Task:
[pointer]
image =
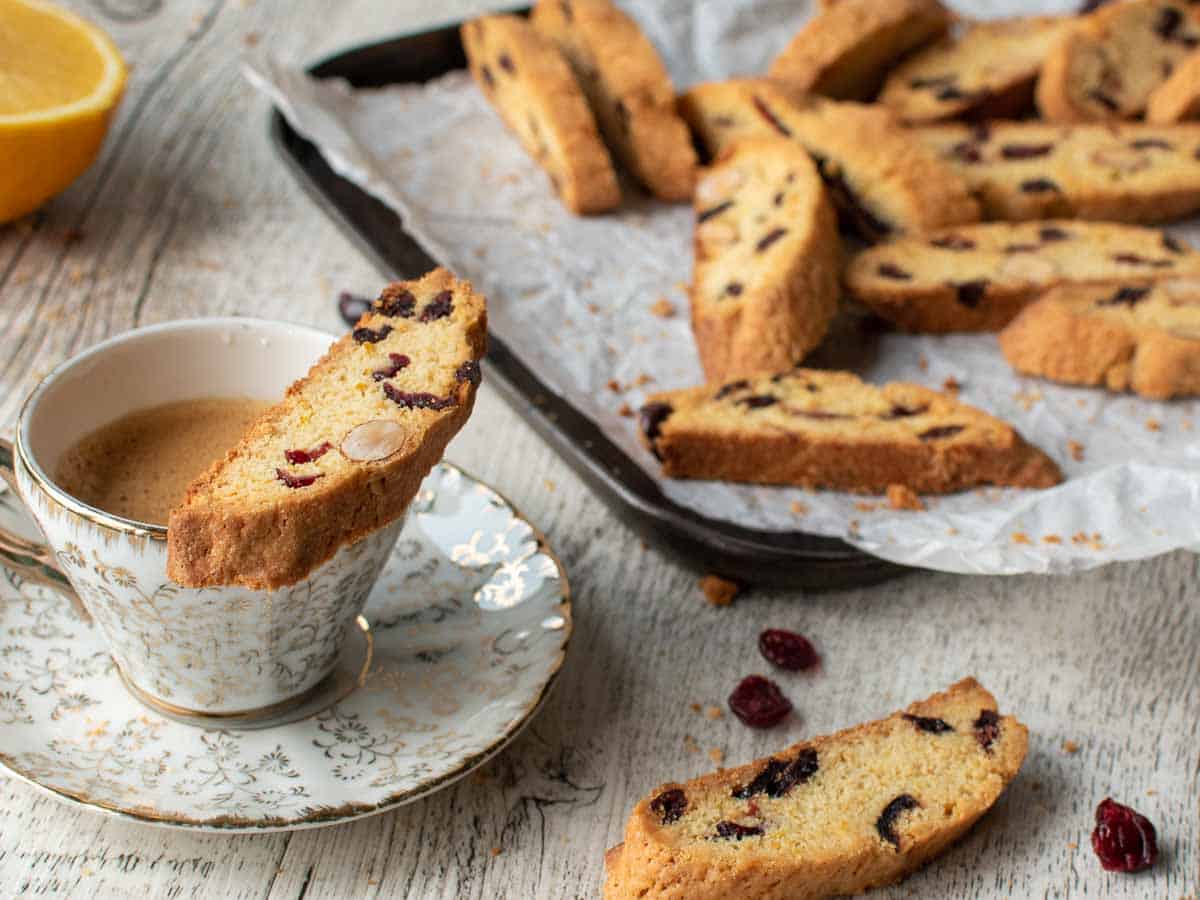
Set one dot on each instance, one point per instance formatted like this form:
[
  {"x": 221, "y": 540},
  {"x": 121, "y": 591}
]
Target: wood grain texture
[{"x": 189, "y": 213}]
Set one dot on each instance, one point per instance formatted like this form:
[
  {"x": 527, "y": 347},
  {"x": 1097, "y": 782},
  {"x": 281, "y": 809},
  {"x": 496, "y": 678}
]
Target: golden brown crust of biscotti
[
  {"x": 830, "y": 430},
  {"x": 241, "y": 523},
  {"x": 846, "y": 49},
  {"x": 1116, "y": 172},
  {"x": 988, "y": 72},
  {"x": 629, "y": 90},
  {"x": 881, "y": 178},
  {"x": 952, "y": 755},
  {"x": 1108, "y": 65},
  {"x": 533, "y": 88},
  {"x": 767, "y": 261},
  {"x": 1139, "y": 336},
  {"x": 978, "y": 277},
  {"x": 1178, "y": 98}
]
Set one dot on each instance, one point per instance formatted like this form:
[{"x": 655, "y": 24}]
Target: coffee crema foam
[{"x": 139, "y": 466}]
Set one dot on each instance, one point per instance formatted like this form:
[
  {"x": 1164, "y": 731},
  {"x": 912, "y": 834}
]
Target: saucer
[{"x": 469, "y": 625}]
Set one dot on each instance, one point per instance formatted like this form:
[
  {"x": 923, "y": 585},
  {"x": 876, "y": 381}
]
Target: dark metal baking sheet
[{"x": 748, "y": 555}]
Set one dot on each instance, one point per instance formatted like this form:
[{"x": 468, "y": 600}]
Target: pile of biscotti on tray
[{"x": 950, "y": 175}]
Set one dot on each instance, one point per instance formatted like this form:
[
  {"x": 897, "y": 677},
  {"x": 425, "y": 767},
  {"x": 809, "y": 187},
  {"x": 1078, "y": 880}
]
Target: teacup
[{"x": 217, "y": 657}]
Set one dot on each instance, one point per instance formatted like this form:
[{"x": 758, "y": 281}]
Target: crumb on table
[
  {"x": 1153, "y": 425},
  {"x": 1076, "y": 450},
  {"x": 716, "y": 755},
  {"x": 799, "y": 509},
  {"x": 952, "y": 385},
  {"x": 625, "y": 411},
  {"x": 663, "y": 308},
  {"x": 1020, "y": 537},
  {"x": 713, "y": 712},
  {"x": 901, "y": 496},
  {"x": 717, "y": 590},
  {"x": 1070, "y": 747}
]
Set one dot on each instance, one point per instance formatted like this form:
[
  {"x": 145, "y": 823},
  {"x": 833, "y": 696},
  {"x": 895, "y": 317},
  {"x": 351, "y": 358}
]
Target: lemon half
[{"x": 60, "y": 80}]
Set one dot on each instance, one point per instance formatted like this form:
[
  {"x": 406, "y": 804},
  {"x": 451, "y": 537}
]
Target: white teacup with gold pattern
[{"x": 219, "y": 657}]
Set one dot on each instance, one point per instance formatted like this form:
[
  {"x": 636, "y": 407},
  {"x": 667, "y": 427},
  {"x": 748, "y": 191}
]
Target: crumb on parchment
[
  {"x": 1076, "y": 450},
  {"x": 901, "y": 496}
]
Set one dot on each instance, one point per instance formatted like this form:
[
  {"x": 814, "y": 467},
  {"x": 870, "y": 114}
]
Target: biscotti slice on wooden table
[
  {"x": 1178, "y": 98},
  {"x": 629, "y": 90},
  {"x": 533, "y": 88},
  {"x": 1118, "y": 172},
  {"x": 882, "y": 180},
  {"x": 847, "y": 48},
  {"x": 819, "y": 429},
  {"x": 1108, "y": 65},
  {"x": 978, "y": 277},
  {"x": 987, "y": 72},
  {"x": 1139, "y": 336},
  {"x": 828, "y": 817},
  {"x": 346, "y": 449},
  {"x": 767, "y": 263}
]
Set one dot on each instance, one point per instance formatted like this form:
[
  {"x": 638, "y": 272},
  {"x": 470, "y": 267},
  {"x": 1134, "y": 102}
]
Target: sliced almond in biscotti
[
  {"x": 629, "y": 90},
  {"x": 345, "y": 451},
  {"x": 768, "y": 259},
  {"x": 829, "y": 817},
  {"x": 1140, "y": 336},
  {"x": 1116, "y": 172},
  {"x": 820, "y": 429},
  {"x": 846, "y": 49},
  {"x": 978, "y": 277},
  {"x": 1108, "y": 65},
  {"x": 987, "y": 72},
  {"x": 882, "y": 180},
  {"x": 533, "y": 88}
]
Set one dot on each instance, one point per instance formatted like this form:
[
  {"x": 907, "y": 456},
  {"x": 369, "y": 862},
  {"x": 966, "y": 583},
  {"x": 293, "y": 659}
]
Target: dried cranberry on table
[
  {"x": 1124, "y": 839},
  {"x": 759, "y": 703},
  {"x": 787, "y": 649}
]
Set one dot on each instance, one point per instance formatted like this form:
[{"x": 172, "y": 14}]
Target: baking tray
[{"x": 751, "y": 556}]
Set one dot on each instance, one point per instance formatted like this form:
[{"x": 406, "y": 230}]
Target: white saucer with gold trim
[{"x": 469, "y": 623}]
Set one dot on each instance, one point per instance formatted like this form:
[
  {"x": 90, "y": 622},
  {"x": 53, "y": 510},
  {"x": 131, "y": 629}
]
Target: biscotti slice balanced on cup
[
  {"x": 1116, "y": 172},
  {"x": 846, "y": 49},
  {"x": 987, "y": 72},
  {"x": 533, "y": 88},
  {"x": 629, "y": 90},
  {"x": 882, "y": 180},
  {"x": 828, "y": 817},
  {"x": 767, "y": 260},
  {"x": 819, "y": 429},
  {"x": 1109, "y": 64},
  {"x": 1139, "y": 336},
  {"x": 345, "y": 451},
  {"x": 978, "y": 277}
]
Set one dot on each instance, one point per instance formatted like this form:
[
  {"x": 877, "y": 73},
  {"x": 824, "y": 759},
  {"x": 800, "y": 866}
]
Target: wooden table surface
[{"x": 189, "y": 213}]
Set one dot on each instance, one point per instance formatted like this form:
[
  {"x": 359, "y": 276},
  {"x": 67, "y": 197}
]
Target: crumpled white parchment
[{"x": 572, "y": 297}]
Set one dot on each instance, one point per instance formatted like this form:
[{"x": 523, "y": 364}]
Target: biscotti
[
  {"x": 1127, "y": 172},
  {"x": 1139, "y": 336},
  {"x": 628, "y": 88},
  {"x": 820, "y": 429},
  {"x": 828, "y": 817},
  {"x": 987, "y": 72},
  {"x": 1108, "y": 65},
  {"x": 847, "y": 48},
  {"x": 1178, "y": 98},
  {"x": 882, "y": 180},
  {"x": 345, "y": 451},
  {"x": 533, "y": 88},
  {"x": 978, "y": 277},
  {"x": 767, "y": 261}
]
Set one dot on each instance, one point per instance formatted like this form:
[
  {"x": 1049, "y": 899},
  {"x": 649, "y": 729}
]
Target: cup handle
[{"x": 33, "y": 561}]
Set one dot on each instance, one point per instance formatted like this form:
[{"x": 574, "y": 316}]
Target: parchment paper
[{"x": 573, "y": 296}]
